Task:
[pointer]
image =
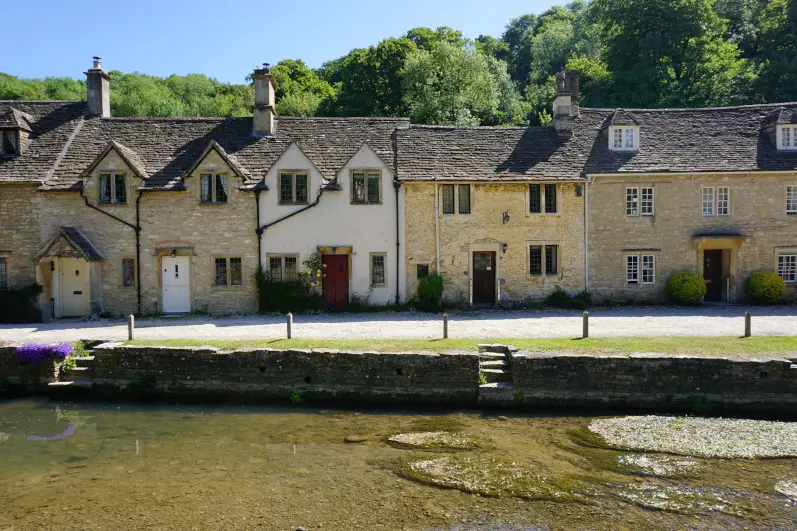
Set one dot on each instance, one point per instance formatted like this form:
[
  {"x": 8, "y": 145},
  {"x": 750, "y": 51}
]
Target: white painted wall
[{"x": 336, "y": 222}]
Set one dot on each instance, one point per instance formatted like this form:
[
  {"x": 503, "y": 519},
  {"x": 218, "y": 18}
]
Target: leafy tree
[
  {"x": 492, "y": 47},
  {"x": 299, "y": 90},
  {"x": 778, "y": 52},
  {"x": 427, "y": 39}
]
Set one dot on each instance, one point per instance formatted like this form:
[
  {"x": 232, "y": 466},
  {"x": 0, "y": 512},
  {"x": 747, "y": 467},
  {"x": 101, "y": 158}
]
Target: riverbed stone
[
  {"x": 658, "y": 465},
  {"x": 355, "y": 439},
  {"x": 787, "y": 487},
  {"x": 676, "y": 498},
  {"x": 439, "y": 440}
]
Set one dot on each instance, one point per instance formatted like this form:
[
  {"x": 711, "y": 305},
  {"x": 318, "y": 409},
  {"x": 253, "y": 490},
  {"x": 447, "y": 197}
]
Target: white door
[
  {"x": 74, "y": 287},
  {"x": 176, "y": 285}
]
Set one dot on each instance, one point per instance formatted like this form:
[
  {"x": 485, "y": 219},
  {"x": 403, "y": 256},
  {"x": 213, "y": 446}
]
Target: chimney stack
[
  {"x": 98, "y": 85},
  {"x": 264, "y": 110},
  {"x": 565, "y": 105}
]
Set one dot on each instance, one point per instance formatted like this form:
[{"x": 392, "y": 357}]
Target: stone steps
[
  {"x": 78, "y": 373},
  {"x": 495, "y": 367},
  {"x": 494, "y": 364},
  {"x": 497, "y": 375},
  {"x": 84, "y": 361}
]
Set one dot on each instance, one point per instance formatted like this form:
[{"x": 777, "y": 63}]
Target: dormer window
[
  {"x": 112, "y": 189},
  {"x": 10, "y": 142},
  {"x": 787, "y": 137},
  {"x": 624, "y": 138}
]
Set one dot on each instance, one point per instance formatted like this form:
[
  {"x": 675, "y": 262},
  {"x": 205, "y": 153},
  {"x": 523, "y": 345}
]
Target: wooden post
[
  {"x": 131, "y": 327},
  {"x": 445, "y": 326},
  {"x": 585, "y": 325},
  {"x": 290, "y": 324},
  {"x": 748, "y": 329}
]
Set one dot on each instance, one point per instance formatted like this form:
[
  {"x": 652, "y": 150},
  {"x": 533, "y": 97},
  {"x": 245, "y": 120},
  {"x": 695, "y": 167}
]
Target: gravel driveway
[{"x": 637, "y": 321}]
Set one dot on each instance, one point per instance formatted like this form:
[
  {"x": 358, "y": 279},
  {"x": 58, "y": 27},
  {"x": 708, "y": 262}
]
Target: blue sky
[{"x": 224, "y": 38}]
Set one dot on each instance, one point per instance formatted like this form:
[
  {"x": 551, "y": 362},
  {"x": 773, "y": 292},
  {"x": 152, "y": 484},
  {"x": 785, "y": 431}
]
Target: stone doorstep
[
  {"x": 73, "y": 383},
  {"x": 493, "y": 364}
]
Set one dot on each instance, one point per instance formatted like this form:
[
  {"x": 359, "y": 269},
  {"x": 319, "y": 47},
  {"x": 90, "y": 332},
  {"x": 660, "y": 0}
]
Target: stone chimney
[
  {"x": 565, "y": 106},
  {"x": 264, "y": 110},
  {"x": 98, "y": 85}
]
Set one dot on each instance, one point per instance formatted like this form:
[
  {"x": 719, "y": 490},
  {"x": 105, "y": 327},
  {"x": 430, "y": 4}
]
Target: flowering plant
[{"x": 35, "y": 353}]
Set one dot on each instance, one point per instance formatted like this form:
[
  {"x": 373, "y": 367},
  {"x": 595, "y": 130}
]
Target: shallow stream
[{"x": 133, "y": 466}]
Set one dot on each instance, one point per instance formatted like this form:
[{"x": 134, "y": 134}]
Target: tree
[
  {"x": 299, "y": 90},
  {"x": 492, "y": 47},
  {"x": 516, "y": 38},
  {"x": 778, "y": 52},
  {"x": 427, "y": 39}
]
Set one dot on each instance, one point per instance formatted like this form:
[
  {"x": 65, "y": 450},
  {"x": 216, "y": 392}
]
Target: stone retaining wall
[{"x": 16, "y": 378}]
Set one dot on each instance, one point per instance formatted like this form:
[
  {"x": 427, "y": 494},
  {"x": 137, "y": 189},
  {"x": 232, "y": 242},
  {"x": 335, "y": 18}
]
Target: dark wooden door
[
  {"x": 712, "y": 274},
  {"x": 336, "y": 280},
  {"x": 484, "y": 277}
]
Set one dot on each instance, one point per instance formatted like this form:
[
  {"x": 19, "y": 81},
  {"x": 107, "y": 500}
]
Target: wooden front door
[
  {"x": 336, "y": 279},
  {"x": 74, "y": 287},
  {"x": 176, "y": 284},
  {"x": 712, "y": 274},
  {"x": 484, "y": 277}
]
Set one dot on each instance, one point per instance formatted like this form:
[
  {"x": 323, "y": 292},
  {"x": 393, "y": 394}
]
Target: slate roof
[
  {"x": 11, "y": 117},
  {"x": 168, "y": 148},
  {"x": 77, "y": 240},
  {"x": 51, "y": 124}
]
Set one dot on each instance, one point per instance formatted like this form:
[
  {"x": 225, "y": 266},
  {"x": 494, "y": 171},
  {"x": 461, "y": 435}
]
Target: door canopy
[{"x": 70, "y": 242}]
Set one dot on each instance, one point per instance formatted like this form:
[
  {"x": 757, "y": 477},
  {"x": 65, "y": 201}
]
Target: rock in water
[{"x": 354, "y": 439}]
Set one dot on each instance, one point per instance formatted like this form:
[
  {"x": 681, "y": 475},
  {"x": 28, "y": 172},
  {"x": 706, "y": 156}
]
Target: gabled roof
[
  {"x": 130, "y": 157},
  {"x": 77, "y": 240},
  {"x": 51, "y": 125},
  {"x": 11, "y": 117},
  {"x": 623, "y": 117},
  {"x": 786, "y": 116},
  {"x": 231, "y": 161}
]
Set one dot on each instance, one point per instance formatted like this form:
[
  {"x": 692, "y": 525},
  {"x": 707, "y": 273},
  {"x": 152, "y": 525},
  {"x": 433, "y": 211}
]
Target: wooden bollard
[
  {"x": 131, "y": 327},
  {"x": 445, "y": 326},
  {"x": 290, "y": 324},
  {"x": 748, "y": 329},
  {"x": 585, "y": 325}
]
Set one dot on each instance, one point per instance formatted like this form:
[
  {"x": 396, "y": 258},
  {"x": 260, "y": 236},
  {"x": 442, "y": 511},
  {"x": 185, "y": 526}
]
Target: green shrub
[
  {"x": 686, "y": 288},
  {"x": 19, "y": 305},
  {"x": 558, "y": 299},
  {"x": 430, "y": 292},
  {"x": 764, "y": 287},
  {"x": 581, "y": 300},
  {"x": 295, "y": 296}
]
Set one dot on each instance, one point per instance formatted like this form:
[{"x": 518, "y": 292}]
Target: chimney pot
[
  {"x": 98, "y": 89},
  {"x": 97, "y": 63}
]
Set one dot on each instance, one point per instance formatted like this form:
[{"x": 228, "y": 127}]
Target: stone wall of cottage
[
  {"x": 484, "y": 229},
  {"x": 758, "y": 211},
  {"x": 20, "y": 205}
]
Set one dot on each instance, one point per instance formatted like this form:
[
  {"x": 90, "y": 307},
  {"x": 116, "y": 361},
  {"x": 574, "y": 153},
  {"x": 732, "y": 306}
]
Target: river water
[{"x": 133, "y": 466}]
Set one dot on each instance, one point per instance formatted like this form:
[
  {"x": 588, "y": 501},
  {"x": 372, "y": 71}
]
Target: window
[
  {"x": 647, "y": 201},
  {"x": 632, "y": 269},
  {"x": 648, "y": 269},
  {"x": 377, "y": 270},
  {"x": 535, "y": 259},
  {"x": 10, "y": 142},
  {"x": 3, "y": 275},
  {"x": 283, "y": 268},
  {"x": 421, "y": 271},
  {"x": 543, "y": 258},
  {"x": 787, "y": 267},
  {"x": 632, "y": 201},
  {"x": 228, "y": 271},
  {"x": 456, "y": 196},
  {"x": 365, "y": 187},
  {"x": 624, "y": 138},
  {"x": 791, "y": 200},
  {"x": 112, "y": 188},
  {"x": 128, "y": 272},
  {"x": 551, "y": 259},
  {"x": 293, "y": 188},
  {"x": 788, "y": 137},
  {"x": 708, "y": 201},
  {"x": 723, "y": 201},
  {"x": 213, "y": 188},
  {"x": 542, "y": 195}
]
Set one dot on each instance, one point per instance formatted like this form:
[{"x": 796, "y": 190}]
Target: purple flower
[{"x": 35, "y": 353}]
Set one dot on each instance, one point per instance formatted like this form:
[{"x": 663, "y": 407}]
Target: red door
[{"x": 336, "y": 279}]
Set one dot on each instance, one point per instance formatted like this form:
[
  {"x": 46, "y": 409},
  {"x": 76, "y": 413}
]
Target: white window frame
[
  {"x": 624, "y": 144},
  {"x": 651, "y": 268},
  {"x": 704, "y": 201},
  {"x": 791, "y": 200},
  {"x": 791, "y": 142},
  {"x": 646, "y": 206},
  {"x": 632, "y": 273},
  {"x": 782, "y": 259},
  {"x": 644, "y": 264},
  {"x": 632, "y": 201},
  {"x": 726, "y": 202}
]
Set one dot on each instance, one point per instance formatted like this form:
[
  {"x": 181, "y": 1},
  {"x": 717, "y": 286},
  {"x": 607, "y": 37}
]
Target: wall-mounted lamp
[
  {"x": 173, "y": 253},
  {"x": 506, "y": 218},
  {"x": 505, "y": 248}
]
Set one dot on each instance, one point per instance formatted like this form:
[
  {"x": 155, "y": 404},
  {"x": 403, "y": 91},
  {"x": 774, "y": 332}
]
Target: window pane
[
  {"x": 358, "y": 187},
  {"x": 787, "y": 267},
  {"x": 535, "y": 195},
  {"x": 786, "y": 134},
  {"x": 708, "y": 201},
  {"x": 286, "y": 188},
  {"x": 631, "y": 201},
  {"x": 632, "y": 269},
  {"x": 617, "y": 139},
  {"x": 535, "y": 260},
  {"x": 221, "y": 188},
  {"x": 550, "y": 198},
  {"x": 301, "y": 188},
  {"x": 9, "y": 142},
  {"x": 206, "y": 195},
  {"x": 377, "y": 269},
  {"x": 105, "y": 188},
  {"x": 791, "y": 200},
  {"x": 3, "y": 274},
  {"x": 120, "y": 192},
  {"x": 448, "y": 199},
  {"x": 723, "y": 201},
  {"x": 128, "y": 272},
  {"x": 275, "y": 267},
  {"x": 220, "y": 275},
  {"x": 373, "y": 187},
  {"x": 291, "y": 271},
  {"x": 629, "y": 138},
  {"x": 647, "y": 201},
  {"x": 422, "y": 271},
  {"x": 551, "y": 259},
  {"x": 464, "y": 199},
  {"x": 648, "y": 269}
]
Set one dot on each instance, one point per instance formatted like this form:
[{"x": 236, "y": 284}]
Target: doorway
[
  {"x": 74, "y": 287},
  {"x": 484, "y": 277},
  {"x": 336, "y": 280},
  {"x": 176, "y": 284},
  {"x": 712, "y": 274}
]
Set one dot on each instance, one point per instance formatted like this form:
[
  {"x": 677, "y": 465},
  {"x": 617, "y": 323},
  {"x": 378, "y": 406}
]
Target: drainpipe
[
  {"x": 283, "y": 218},
  {"x": 586, "y": 235},
  {"x": 137, "y": 228},
  {"x": 396, "y": 186},
  {"x": 258, "y": 230},
  {"x": 436, "y": 230}
]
